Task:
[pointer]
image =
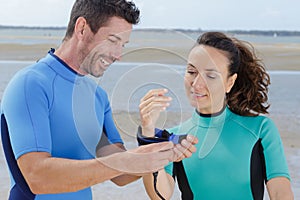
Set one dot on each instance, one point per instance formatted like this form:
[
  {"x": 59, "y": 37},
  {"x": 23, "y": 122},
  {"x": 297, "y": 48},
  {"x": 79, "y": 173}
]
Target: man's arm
[
  {"x": 111, "y": 149},
  {"x": 45, "y": 174}
]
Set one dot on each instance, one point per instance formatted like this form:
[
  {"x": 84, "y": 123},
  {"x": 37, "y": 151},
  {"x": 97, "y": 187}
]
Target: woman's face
[{"x": 207, "y": 79}]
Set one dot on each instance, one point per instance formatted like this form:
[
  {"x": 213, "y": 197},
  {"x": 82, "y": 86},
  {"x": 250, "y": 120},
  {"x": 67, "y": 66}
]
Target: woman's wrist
[{"x": 148, "y": 131}]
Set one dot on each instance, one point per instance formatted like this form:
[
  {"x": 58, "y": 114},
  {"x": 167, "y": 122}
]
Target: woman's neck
[{"x": 213, "y": 114}]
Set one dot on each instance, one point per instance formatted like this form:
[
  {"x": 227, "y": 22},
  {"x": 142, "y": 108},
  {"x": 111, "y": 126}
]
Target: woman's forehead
[{"x": 202, "y": 56}]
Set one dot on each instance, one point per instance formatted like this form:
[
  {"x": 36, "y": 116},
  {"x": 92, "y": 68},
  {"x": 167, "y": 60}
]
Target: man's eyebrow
[{"x": 118, "y": 38}]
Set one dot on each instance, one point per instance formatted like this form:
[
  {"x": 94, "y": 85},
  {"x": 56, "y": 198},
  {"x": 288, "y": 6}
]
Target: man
[{"x": 54, "y": 116}]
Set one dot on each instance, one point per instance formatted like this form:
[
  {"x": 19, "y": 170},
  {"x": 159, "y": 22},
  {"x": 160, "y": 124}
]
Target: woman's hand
[
  {"x": 151, "y": 105},
  {"x": 185, "y": 149}
]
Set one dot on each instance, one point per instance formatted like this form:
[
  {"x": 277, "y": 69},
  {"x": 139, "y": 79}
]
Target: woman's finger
[{"x": 154, "y": 92}]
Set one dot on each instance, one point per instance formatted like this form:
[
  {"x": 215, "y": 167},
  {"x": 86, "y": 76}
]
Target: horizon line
[{"x": 155, "y": 28}]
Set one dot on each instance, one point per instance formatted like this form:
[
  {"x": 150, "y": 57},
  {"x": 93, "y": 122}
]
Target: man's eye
[{"x": 112, "y": 41}]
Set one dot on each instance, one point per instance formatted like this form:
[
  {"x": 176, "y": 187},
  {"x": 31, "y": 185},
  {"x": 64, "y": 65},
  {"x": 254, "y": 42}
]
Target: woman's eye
[
  {"x": 211, "y": 76},
  {"x": 191, "y": 72}
]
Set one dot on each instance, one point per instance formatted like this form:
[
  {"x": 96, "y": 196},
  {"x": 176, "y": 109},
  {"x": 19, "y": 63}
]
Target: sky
[{"x": 187, "y": 14}]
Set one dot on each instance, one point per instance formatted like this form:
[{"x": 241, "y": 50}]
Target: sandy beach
[{"x": 282, "y": 61}]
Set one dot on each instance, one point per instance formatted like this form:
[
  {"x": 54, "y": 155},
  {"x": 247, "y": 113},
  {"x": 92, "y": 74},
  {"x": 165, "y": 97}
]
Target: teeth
[
  {"x": 199, "y": 95},
  {"x": 104, "y": 62}
]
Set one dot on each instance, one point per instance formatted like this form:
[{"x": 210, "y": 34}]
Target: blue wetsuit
[
  {"x": 235, "y": 155},
  {"x": 48, "y": 107}
]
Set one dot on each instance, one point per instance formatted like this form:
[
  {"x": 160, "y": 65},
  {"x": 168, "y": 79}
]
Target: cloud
[
  {"x": 35, "y": 13},
  {"x": 212, "y": 14},
  {"x": 271, "y": 13}
]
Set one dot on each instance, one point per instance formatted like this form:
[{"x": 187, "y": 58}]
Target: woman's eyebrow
[
  {"x": 212, "y": 70},
  {"x": 206, "y": 69},
  {"x": 191, "y": 65}
]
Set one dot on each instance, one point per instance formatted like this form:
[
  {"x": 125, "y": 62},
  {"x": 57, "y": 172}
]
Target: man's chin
[{"x": 97, "y": 75}]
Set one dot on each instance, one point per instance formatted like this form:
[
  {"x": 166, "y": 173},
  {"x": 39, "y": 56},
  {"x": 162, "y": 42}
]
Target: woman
[{"x": 238, "y": 150}]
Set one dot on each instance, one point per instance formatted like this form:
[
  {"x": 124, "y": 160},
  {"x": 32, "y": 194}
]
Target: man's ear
[
  {"x": 80, "y": 27},
  {"x": 230, "y": 83}
]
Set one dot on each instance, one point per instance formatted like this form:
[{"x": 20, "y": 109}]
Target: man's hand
[{"x": 142, "y": 160}]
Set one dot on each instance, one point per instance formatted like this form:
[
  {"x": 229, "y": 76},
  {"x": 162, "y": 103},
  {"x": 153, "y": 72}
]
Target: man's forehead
[
  {"x": 116, "y": 31},
  {"x": 118, "y": 25}
]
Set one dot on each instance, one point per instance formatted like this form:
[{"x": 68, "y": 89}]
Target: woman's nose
[{"x": 199, "y": 81}]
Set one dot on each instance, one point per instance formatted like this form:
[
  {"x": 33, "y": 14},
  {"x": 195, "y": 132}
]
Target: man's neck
[{"x": 67, "y": 52}]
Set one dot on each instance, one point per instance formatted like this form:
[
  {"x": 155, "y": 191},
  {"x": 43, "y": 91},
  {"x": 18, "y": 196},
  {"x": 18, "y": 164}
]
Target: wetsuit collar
[
  {"x": 211, "y": 115},
  {"x": 61, "y": 68},
  {"x": 211, "y": 120}
]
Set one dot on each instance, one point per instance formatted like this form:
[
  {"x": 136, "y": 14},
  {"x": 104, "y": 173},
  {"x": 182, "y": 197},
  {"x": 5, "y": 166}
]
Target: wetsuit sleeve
[
  {"x": 275, "y": 160},
  {"x": 109, "y": 127},
  {"x": 26, "y": 110},
  {"x": 169, "y": 168}
]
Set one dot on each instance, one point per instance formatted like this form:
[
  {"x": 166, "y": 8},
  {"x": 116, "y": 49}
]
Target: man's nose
[{"x": 117, "y": 54}]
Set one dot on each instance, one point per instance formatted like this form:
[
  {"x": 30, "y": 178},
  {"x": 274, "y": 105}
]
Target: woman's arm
[
  {"x": 151, "y": 105},
  {"x": 279, "y": 188},
  {"x": 164, "y": 185}
]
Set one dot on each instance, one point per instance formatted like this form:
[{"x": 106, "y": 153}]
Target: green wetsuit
[{"x": 235, "y": 155}]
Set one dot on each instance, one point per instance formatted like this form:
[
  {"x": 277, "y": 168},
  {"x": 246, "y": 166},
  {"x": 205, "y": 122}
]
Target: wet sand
[{"x": 284, "y": 99}]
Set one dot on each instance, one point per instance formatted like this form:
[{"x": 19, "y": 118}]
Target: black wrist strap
[
  {"x": 155, "y": 174},
  {"x": 160, "y": 136}
]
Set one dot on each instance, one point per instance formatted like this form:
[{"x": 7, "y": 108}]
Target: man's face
[{"x": 105, "y": 47}]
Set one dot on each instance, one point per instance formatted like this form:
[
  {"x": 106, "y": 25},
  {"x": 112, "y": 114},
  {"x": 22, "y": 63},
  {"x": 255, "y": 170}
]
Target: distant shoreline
[
  {"x": 122, "y": 64},
  {"x": 274, "y": 33},
  {"x": 33, "y": 27}
]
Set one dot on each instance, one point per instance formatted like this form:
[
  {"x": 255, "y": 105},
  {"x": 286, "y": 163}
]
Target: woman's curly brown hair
[{"x": 248, "y": 96}]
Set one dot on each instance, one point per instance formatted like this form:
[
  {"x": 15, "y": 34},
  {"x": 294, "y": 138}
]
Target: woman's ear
[{"x": 230, "y": 82}]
